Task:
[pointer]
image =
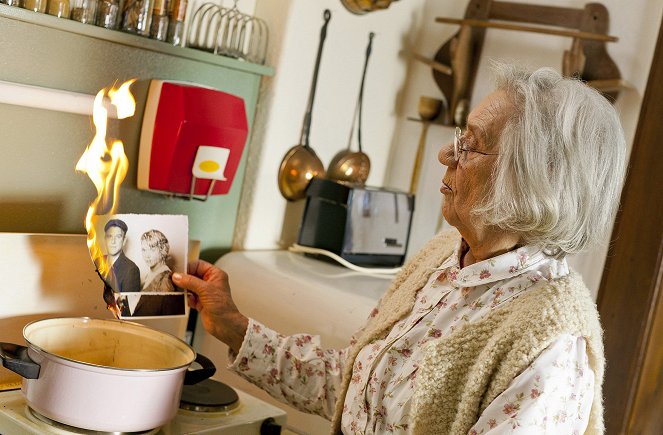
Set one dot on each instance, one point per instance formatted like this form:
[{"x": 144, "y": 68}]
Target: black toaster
[{"x": 366, "y": 226}]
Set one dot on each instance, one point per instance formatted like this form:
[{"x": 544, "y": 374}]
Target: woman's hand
[{"x": 209, "y": 294}]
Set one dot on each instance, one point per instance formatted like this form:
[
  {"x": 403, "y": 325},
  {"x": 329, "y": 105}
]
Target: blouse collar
[{"x": 529, "y": 260}]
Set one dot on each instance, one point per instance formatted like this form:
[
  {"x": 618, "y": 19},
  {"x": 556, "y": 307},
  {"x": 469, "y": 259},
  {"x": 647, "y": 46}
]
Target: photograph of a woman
[{"x": 155, "y": 251}]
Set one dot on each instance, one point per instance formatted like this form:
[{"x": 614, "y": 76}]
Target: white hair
[{"x": 561, "y": 164}]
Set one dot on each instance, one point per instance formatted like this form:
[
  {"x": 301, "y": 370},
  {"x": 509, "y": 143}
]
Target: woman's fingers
[
  {"x": 200, "y": 268},
  {"x": 189, "y": 282},
  {"x": 194, "y": 301},
  {"x": 209, "y": 293}
]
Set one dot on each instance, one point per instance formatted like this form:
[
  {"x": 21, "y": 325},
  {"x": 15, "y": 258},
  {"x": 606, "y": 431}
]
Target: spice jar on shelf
[
  {"x": 136, "y": 16},
  {"x": 177, "y": 11},
  {"x": 109, "y": 14},
  {"x": 159, "y": 26},
  {"x": 58, "y": 8},
  {"x": 84, "y": 11},
  {"x": 34, "y": 5}
]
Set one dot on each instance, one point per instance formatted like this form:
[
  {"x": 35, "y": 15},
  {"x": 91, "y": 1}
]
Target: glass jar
[
  {"x": 159, "y": 26},
  {"x": 35, "y": 5},
  {"x": 109, "y": 12},
  {"x": 58, "y": 8},
  {"x": 176, "y": 25},
  {"x": 84, "y": 11},
  {"x": 136, "y": 16}
]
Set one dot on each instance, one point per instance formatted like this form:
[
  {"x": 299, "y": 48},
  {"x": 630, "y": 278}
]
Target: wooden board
[{"x": 629, "y": 298}]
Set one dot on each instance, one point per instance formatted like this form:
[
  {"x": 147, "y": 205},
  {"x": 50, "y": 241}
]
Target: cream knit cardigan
[{"x": 461, "y": 374}]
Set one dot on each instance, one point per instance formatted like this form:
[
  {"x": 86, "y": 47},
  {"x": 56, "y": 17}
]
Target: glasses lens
[{"x": 457, "y": 136}]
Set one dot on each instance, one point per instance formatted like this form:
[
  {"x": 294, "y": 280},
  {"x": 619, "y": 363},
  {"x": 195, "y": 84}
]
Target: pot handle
[
  {"x": 16, "y": 359},
  {"x": 194, "y": 376}
]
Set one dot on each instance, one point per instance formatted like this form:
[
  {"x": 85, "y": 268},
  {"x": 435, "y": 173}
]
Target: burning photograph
[
  {"x": 142, "y": 252},
  {"x": 133, "y": 254}
]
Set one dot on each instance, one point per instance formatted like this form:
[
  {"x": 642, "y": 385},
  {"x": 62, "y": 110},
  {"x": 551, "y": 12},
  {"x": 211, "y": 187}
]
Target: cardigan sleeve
[{"x": 552, "y": 396}]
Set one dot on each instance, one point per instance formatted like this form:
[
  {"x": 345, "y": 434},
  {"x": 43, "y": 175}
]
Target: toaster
[{"x": 366, "y": 226}]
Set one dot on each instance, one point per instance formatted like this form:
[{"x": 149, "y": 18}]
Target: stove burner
[
  {"x": 209, "y": 396},
  {"x": 77, "y": 430}
]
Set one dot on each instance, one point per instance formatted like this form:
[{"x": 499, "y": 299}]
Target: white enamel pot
[{"x": 103, "y": 375}]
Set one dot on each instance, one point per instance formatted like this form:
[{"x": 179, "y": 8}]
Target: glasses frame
[{"x": 458, "y": 149}]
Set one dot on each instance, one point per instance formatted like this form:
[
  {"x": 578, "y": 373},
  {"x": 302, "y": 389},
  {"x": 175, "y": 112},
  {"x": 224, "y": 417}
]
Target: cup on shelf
[
  {"x": 108, "y": 15},
  {"x": 429, "y": 108},
  {"x": 137, "y": 16},
  {"x": 34, "y": 5},
  {"x": 59, "y": 8},
  {"x": 159, "y": 25},
  {"x": 84, "y": 11},
  {"x": 177, "y": 12}
]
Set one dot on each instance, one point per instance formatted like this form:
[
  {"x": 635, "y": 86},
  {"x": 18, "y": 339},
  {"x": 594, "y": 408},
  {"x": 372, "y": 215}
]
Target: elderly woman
[{"x": 485, "y": 330}]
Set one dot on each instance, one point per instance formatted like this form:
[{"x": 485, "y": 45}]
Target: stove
[
  {"x": 212, "y": 408},
  {"x": 49, "y": 271}
]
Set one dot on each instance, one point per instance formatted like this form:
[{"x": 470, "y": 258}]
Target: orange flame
[{"x": 105, "y": 166}]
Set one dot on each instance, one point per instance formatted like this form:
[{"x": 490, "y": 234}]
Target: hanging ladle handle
[
  {"x": 306, "y": 127},
  {"x": 361, "y": 86}
]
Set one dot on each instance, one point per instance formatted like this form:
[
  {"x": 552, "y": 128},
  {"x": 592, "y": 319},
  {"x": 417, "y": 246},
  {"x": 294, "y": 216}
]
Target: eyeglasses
[{"x": 458, "y": 148}]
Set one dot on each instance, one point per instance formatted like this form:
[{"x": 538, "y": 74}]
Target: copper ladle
[
  {"x": 300, "y": 164},
  {"x": 347, "y": 165},
  {"x": 429, "y": 108}
]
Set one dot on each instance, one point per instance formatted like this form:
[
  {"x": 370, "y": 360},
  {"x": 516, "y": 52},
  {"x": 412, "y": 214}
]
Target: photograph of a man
[{"x": 124, "y": 275}]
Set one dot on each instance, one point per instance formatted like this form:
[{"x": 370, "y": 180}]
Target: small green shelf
[{"x": 130, "y": 40}]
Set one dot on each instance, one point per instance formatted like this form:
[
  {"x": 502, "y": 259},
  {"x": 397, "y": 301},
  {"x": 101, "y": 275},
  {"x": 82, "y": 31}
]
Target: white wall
[
  {"x": 393, "y": 87},
  {"x": 295, "y": 27}
]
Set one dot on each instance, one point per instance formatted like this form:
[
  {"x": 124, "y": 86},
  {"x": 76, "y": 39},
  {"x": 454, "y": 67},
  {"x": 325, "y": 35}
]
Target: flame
[
  {"x": 106, "y": 167},
  {"x": 123, "y": 100}
]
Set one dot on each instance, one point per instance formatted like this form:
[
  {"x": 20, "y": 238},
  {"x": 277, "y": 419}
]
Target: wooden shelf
[
  {"x": 129, "y": 39},
  {"x": 533, "y": 29},
  {"x": 611, "y": 85},
  {"x": 435, "y": 122}
]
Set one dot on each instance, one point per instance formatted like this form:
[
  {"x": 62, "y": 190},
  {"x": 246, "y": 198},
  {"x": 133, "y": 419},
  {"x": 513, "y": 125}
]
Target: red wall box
[{"x": 179, "y": 118}]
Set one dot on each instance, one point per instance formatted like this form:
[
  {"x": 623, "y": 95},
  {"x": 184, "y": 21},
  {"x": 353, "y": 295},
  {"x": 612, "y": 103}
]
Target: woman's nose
[{"x": 446, "y": 155}]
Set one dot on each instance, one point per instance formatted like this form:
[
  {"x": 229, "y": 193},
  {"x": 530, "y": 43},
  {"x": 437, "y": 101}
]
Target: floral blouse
[{"x": 553, "y": 395}]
